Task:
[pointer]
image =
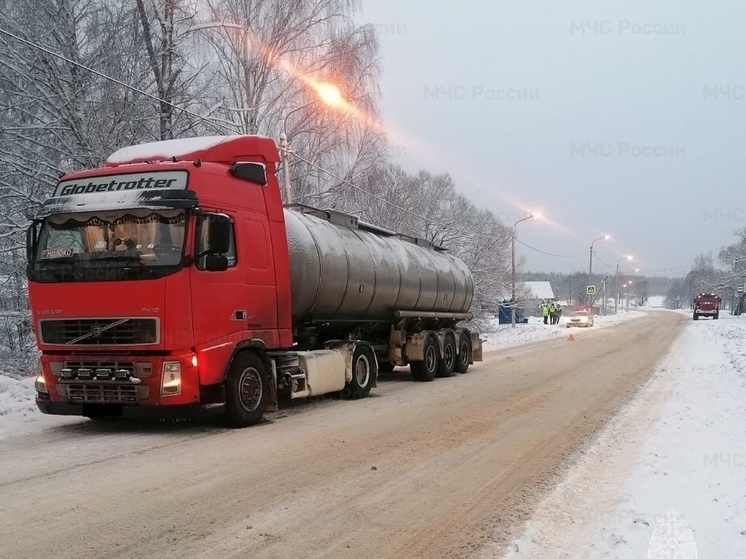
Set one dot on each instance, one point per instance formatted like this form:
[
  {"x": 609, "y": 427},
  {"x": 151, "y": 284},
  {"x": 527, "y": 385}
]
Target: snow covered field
[{"x": 667, "y": 479}]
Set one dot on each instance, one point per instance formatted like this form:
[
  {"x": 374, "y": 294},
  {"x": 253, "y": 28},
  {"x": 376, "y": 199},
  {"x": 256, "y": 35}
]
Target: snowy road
[{"x": 439, "y": 469}]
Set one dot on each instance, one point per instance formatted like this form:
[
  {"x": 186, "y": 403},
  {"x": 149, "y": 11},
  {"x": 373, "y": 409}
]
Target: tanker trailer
[
  {"x": 173, "y": 281},
  {"x": 403, "y": 295}
]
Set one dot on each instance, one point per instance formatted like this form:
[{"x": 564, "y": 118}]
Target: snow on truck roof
[{"x": 221, "y": 149}]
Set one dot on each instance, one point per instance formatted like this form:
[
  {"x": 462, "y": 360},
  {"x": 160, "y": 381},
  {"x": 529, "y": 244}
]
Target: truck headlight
[
  {"x": 40, "y": 384},
  {"x": 171, "y": 378}
]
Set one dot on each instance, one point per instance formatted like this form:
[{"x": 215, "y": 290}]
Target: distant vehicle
[
  {"x": 583, "y": 318},
  {"x": 707, "y": 304}
]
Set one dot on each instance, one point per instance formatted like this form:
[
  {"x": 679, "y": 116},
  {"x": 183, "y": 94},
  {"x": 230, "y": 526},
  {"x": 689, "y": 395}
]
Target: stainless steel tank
[{"x": 347, "y": 273}]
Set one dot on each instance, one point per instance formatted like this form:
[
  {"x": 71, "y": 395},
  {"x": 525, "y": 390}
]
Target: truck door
[{"x": 237, "y": 303}]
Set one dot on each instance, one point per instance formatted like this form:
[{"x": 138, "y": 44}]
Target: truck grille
[
  {"x": 100, "y": 393},
  {"x": 91, "y": 381},
  {"x": 100, "y": 331}
]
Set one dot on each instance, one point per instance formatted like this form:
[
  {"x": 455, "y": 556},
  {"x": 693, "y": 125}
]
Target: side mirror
[
  {"x": 30, "y": 242},
  {"x": 216, "y": 262},
  {"x": 219, "y": 233}
]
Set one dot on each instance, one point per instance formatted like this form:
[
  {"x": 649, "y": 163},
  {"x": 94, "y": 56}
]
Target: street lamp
[
  {"x": 327, "y": 93},
  {"x": 512, "y": 257},
  {"x": 616, "y": 299},
  {"x": 590, "y": 262}
]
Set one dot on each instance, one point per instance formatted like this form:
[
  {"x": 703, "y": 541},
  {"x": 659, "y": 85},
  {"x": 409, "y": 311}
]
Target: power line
[
  {"x": 348, "y": 183},
  {"x": 219, "y": 122},
  {"x": 550, "y": 253}
]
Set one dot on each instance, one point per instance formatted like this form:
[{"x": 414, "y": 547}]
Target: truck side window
[{"x": 203, "y": 227}]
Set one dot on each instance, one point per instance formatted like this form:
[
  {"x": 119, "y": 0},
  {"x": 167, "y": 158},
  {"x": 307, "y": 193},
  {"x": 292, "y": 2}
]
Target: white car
[{"x": 580, "y": 318}]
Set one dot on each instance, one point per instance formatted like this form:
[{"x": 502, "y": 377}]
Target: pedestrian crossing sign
[{"x": 590, "y": 290}]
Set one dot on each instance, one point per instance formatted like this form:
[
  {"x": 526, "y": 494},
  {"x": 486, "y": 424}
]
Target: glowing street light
[
  {"x": 590, "y": 263},
  {"x": 330, "y": 95}
]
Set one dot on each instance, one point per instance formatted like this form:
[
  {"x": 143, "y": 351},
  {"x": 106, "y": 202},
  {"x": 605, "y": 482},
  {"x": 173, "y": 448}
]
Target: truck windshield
[{"x": 131, "y": 244}]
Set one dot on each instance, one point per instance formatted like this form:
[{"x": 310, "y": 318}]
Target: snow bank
[
  {"x": 501, "y": 336},
  {"x": 18, "y": 412},
  {"x": 673, "y": 462}
]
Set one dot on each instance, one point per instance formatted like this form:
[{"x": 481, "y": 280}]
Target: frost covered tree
[{"x": 271, "y": 58}]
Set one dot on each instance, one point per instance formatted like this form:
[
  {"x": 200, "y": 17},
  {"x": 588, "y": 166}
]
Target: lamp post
[
  {"x": 512, "y": 257},
  {"x": 616, "y": 299},
  {"x": 590, "y": 262},
  {"x": 330, "y": 95}
]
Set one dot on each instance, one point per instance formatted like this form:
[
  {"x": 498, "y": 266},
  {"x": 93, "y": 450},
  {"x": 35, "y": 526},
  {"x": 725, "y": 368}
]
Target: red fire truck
[
  {"x": 173, "y": 282},
  {"x": 706, "y": 304}
]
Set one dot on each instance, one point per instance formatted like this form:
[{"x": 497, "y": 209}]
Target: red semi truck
[{"x": 172, "y": 282}]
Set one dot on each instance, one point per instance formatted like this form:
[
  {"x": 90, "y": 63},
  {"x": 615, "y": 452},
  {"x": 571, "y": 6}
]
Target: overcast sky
[{"x": 625, "y": 118}]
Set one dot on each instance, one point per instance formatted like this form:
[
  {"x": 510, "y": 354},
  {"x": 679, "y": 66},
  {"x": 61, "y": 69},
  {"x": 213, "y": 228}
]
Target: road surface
[{"x": 418, "y": 470}]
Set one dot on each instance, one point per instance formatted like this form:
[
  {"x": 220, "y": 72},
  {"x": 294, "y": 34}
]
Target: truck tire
[
  {"x": 696, "y": 316},
  {"x": 716, "y": 315},
  {"x": 447, "y": 363},
  {"x": 425, "y": 370},
  {"x": 363, "y": 372},
  {"x": 464, "y": 353},
  {"x": 246, "y": 390}
]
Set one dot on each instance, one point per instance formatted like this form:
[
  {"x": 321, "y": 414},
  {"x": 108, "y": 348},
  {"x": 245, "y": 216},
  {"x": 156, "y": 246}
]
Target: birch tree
[{"x": 271, "y": 54}]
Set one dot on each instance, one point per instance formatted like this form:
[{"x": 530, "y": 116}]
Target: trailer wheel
[
  {"x": 363, "y": 373},
  {"x": 246, "y": 390},
  {"x": 425, "y": 370},
  {"x": 464, "y": 353},
  {"x": 447, "y": 364}
]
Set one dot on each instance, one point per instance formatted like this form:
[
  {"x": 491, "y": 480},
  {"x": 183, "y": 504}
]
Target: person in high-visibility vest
[{"x": 545, "y": 312}]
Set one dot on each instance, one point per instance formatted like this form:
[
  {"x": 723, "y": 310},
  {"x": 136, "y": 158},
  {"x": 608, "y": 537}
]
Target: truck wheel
[
  {"x": 246, "y": 390},
  {"x": 464, "y": 353},
  {"x": 425, "y": 370},
  {"x": 696, "y": 316},
  {"x": 363, "y": 373},
  {"x": 716, "y": 316},
  {"x": 447, "y": 364}
]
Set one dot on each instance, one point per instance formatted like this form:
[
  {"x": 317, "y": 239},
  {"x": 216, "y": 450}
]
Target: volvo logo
[{"x": 96, "y": 331}]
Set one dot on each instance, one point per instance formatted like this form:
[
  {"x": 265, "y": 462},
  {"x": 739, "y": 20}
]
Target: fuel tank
[{"x": 342, "y": 269}]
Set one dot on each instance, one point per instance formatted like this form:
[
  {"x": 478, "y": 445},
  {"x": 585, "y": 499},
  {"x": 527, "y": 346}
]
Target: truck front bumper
[{"x": 182, "y": 411}]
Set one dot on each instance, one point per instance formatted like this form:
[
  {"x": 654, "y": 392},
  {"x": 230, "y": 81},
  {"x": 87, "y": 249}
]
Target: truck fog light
[
  {"x": 171, "y": 378},
  {"x": 40, "y": 384}
]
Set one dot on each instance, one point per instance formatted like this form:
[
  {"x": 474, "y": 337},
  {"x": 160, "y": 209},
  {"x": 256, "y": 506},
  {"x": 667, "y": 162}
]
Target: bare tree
[
  {"x": 272, "y": 56},
  {"x": 178, "y": 66}
]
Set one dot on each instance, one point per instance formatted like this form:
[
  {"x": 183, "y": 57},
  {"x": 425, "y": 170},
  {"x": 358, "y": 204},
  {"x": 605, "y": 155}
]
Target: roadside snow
[
  {"x": 18, "y": 411},
  {"x": 501, "y": 336},
  {"x": 673, "y": 462}
]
